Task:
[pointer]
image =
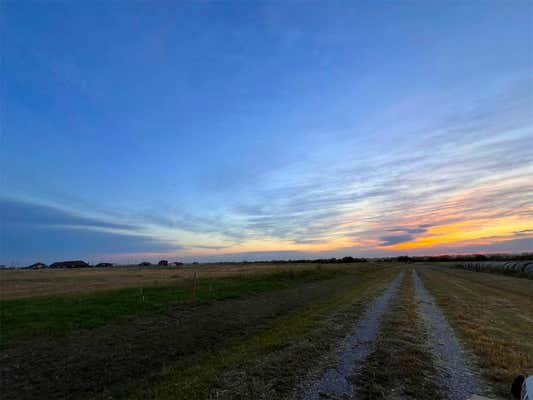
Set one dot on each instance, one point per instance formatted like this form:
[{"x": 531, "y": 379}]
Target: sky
[{"x": 207, "y": 131}]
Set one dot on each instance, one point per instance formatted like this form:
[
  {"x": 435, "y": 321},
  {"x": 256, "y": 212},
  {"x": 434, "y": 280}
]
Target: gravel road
[
  {"x": 335, "y": 382},
  {"x": 456, "y": 377}
]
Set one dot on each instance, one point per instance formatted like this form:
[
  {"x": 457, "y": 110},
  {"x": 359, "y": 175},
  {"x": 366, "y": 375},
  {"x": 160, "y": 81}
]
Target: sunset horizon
[
  {"x": 204, "y": 132},
  {"x": 292, "y": 200}
]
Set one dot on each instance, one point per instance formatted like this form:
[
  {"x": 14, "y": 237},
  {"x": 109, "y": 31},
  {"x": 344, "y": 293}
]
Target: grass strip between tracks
[{"x": 402, "y": 364}]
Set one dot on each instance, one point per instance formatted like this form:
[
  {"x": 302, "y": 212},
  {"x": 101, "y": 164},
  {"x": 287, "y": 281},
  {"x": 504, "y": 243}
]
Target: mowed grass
[
  {"x": 493, "y": 316},
  {"x": 23, "y": 319},
  {"x": 268, "y": 364}
]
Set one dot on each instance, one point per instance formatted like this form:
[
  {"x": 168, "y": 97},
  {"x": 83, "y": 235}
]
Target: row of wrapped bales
[{"x": 519, "y": 268}]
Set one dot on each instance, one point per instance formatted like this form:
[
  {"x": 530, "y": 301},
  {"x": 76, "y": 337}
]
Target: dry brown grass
[
  {"x": 493, "y": 316},
  {"x": 28, "y": 283}
]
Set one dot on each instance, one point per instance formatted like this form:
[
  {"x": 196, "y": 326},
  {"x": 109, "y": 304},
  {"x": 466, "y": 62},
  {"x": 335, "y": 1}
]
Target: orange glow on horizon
[{"x": 477, "y": 231}]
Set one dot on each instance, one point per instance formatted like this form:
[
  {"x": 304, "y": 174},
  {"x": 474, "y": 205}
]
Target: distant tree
[
  {"x": 348, "y": 259},
  {"x": 162, "y": 263},
  {"x": 104, "y": 265},
  {"x": 38, "y": 265}
]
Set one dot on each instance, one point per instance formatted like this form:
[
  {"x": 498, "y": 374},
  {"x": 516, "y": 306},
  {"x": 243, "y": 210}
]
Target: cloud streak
[
  {"x": 29, "y": 229},
  {"x": 464, "y": 184}
]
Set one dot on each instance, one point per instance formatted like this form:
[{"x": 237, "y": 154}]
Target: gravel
[
  {"x": 456, "y": 377},
  {"x": 335, "y": 383}
]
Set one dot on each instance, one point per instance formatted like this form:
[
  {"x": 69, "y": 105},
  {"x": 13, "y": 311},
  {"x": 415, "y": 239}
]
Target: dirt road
[
  {"x": 454, "y": 365},
  {"x": 378, "y": 334},
  {"x": 335, "y": 382},
  {"x": 402, "y": 348}
]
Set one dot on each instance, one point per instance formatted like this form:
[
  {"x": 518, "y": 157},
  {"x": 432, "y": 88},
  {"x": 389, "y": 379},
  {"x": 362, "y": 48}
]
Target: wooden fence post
[{"x": 194, "y": 287}]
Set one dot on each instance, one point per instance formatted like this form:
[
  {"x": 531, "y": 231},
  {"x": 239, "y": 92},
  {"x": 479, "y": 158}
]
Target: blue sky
[{"x": 234, "y": 130}]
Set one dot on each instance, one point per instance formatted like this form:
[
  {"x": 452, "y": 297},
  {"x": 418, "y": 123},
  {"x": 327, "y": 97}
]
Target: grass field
[
  {"x": 29, "y": 283},
  {"x": 280, "y": 353},
  {"x": 59, "y": 315},
  {"x": 493, "y": 315},
  {"x": 235, "y": 332}
]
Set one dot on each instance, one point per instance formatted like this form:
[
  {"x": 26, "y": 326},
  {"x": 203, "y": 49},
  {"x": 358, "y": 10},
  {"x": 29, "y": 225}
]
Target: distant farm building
[{"x": 70, "y": 264}]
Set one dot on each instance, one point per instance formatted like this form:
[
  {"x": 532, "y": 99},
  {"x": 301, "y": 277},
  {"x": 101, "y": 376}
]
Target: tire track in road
[
  {"x": 335, "y": 382},
  {"x": 456, "y": 377}
]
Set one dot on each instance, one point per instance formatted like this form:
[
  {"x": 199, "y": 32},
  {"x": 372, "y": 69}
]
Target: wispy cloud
[
  {"x": 27, "y": 229},
  {"x": 20, "y": 212},
  {"x": 463, "y": 184},
  {"x": 475, "y": 167},
  {"x": 396, "y": 239}
]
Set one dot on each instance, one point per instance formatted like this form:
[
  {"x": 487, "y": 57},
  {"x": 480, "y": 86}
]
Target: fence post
[{"x": 194, "y": 284}]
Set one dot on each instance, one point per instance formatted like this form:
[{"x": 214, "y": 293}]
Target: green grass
[
  {"x": 22, "y": 319},
  {"x": 193, "y": 378}
]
